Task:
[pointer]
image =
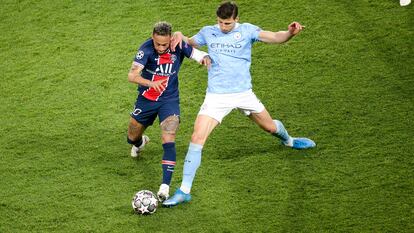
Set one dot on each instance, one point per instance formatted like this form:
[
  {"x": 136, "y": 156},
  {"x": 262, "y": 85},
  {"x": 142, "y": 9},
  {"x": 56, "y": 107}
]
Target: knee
[
  {"x": 169, "y": 127},
  {"x": 198, "y": 138},
  {"x": 170, "y": 124}
]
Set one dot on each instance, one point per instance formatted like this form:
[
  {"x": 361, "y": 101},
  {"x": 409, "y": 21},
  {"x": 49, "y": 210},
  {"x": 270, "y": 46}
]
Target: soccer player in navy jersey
[
  {"x": 229, "y": 86},
  {"x": 155, "y": 69}
]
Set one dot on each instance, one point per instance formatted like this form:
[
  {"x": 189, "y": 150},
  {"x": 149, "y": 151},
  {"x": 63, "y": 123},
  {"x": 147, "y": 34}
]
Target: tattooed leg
[
  {"x": 135, "y": 130},
  {"x": 169, "y": 127}
]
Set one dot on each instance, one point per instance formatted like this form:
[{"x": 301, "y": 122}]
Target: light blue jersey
[{"x": 231, "y": 57}]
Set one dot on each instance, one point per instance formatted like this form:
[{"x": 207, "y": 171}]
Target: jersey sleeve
[
  {"x": 253, "y": 31},
  {"x": 141, "y": 58},
  {"x": 200, "y": 38},
  {"x": 187, "y": 50}
]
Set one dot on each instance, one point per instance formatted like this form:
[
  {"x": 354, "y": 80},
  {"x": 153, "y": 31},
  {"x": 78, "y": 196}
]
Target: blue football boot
[
  {"x": 301, "y": 143},
  {"x": 178, "y": 197}
]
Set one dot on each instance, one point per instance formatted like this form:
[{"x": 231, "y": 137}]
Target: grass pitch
[{"x": 346, "y": 81}]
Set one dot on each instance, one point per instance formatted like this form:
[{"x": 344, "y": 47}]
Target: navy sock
[
  {"x": 135, "y": 143},
  {"x": 168, "y": 162}
]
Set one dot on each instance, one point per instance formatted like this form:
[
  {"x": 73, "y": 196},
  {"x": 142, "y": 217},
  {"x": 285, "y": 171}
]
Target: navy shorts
[{"x": 146, "y": 111}]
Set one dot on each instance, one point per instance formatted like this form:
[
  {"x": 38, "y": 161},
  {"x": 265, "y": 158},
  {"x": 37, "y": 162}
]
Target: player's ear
[{"x": 236, "y": 19}]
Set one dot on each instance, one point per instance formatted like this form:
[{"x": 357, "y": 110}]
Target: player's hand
[
  {"x": 294, "y": 28},
  {"x": 176, "y": 39},
  {"x": 206, "y": 61},
  {"x": 159, "y": 85}
]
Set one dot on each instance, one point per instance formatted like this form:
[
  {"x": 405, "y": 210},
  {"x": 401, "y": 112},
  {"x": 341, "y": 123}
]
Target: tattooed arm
[{"x": 134, "y": 76}]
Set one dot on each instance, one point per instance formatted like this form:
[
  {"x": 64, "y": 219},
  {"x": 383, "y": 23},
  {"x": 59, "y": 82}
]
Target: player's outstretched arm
[{"x": 281, "y": 36}]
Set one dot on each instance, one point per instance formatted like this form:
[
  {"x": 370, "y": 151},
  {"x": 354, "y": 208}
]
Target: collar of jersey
[{"x": 235, "y": 27}]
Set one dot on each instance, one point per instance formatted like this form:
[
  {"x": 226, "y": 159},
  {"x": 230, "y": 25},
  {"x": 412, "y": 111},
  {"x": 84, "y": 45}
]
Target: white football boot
[
  {"x": 163, "y": 193},
  {"x": 136, "y": 150},
  {"x": 405, "y": 2}
]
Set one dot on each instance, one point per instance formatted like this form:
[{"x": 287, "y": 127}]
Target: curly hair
[{"x": 162, "y": 28}]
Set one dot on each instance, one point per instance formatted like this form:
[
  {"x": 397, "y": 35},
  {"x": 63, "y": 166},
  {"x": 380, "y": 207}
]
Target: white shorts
[{"x": 217, "y": 106}]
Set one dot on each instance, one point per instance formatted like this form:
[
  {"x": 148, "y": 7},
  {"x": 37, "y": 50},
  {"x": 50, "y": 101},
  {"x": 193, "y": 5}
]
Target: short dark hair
[
  {"x": 227, "y": 10},
  {"x": 162, "y": 28}
]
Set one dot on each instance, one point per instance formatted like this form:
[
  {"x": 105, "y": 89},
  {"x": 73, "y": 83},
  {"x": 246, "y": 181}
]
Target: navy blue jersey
[{"x": 161, "y": 67}]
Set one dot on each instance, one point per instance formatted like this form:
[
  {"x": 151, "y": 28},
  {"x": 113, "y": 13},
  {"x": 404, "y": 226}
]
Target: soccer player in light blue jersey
[{"x": 229, "y": 86}]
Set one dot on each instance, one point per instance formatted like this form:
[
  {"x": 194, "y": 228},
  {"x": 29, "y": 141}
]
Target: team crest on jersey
[
  {"x": 237, "y": 35},
  {"x": 173, "y": 58},
  {"x": 140, "y": 54}
]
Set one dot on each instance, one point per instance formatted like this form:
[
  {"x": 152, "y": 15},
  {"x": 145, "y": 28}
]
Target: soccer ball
[{"x": 144, "y": 202}]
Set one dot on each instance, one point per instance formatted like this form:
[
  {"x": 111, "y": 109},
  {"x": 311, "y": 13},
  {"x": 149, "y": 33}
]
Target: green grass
[{"x": 346, "y": 82}]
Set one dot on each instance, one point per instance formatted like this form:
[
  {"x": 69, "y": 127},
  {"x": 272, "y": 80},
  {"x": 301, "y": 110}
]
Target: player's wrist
[{"x": 144, "y": 82}]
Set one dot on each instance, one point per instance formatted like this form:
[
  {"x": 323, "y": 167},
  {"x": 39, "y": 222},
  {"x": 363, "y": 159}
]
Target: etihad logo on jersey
[{"x": 225, "y": 46}]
